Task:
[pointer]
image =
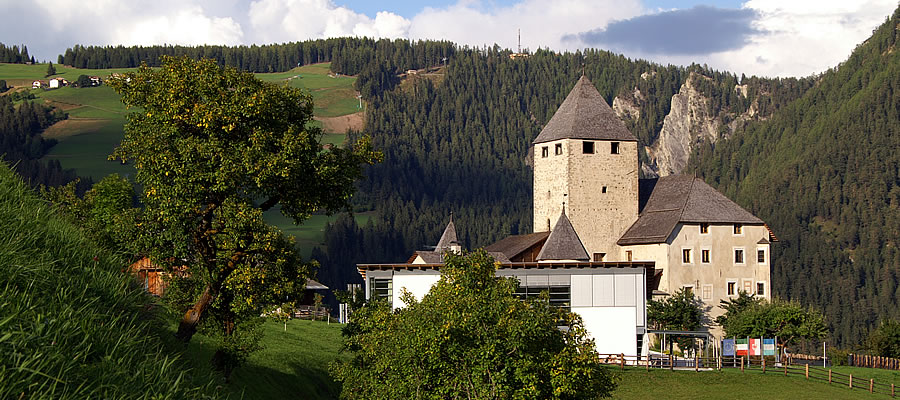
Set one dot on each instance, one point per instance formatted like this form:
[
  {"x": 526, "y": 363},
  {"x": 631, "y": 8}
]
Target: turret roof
[
  {"x": 563, "y": 243},
  {"x": 448, "y": 238},
  {"x": 585, "y": 115}
]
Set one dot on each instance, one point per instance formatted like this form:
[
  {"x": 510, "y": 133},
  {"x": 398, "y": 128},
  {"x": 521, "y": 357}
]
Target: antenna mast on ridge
[{"x": 520, "y": 41}]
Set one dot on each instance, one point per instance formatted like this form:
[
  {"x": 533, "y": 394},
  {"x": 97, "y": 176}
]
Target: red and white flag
[{"x": 755, "y": 347}]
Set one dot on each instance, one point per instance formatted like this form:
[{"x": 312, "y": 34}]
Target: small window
[
  {"x": 603, "y": 189},
  {"x": 760, "y": 256},
  {"x": 738, "y": 229},
  {"x": 704, "y": 256},
  {"x": 587, "y": 147},
  {"x": 598, "y": 257},
  {"x": 704, "y": 229},
  {"x": 731, "y": 288},
  {"x": 686, "y": 256},
  {"x": 738, "y": 256},
  {"x": 760, "y": 288},
  {"x": 558, "y": 148},
  {"x": 614, "y": 148},
  {"x": 707, "y": 292},
  {"x": 628, "y": 255},
  {"x": 545, "y": 151},
  {"x": 689, "y": 289}
]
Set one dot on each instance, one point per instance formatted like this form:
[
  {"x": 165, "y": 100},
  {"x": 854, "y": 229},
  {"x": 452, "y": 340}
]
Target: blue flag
[
  {"x": 768, "y": 347},
  {"x": 728, "y": 347}
]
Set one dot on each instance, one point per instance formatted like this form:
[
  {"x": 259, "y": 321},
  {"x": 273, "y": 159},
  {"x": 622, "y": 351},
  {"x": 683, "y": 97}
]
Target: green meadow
[{"x": 309, "y": 234}]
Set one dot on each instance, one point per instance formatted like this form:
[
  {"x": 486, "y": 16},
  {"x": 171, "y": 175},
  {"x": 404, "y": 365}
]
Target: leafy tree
[
  {"x": 737, "y": 305},
  {"x": 885, "y": 340},
  {"x": 51, "y": 70},
  {"x": 3, "y": 86},
  {"x": 788, "y": 320},
  {"x": 681, "y": 311},
  {"x": 209, "y": 144},
  {"x": 469, "y": 337}
]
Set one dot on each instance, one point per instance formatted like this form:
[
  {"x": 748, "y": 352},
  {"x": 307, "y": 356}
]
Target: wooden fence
[
  {"x": 757, "y": 364},
  {"x": 862, "y": 360}
]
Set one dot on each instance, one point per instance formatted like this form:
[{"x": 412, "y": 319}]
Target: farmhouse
[
  {"x": 36, "y": 84},
  {"x": 604, "y": 240}
]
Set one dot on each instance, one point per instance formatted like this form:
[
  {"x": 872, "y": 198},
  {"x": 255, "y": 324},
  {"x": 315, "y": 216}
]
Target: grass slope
[
  {"x": 292, "y": 365},
  {"x": 73, "y": 325},
  {"x": 311, "y": 232}
]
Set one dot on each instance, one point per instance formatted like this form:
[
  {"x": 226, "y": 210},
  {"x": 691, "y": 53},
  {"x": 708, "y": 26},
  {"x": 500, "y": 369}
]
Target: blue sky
[{"x": 756, "y": 37}]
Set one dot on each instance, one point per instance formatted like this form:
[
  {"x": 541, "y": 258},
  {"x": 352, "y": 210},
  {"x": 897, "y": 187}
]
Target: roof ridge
[{"x": 687, "y": 197}]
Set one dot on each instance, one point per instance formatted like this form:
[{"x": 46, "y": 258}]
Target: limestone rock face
[
  {"x": 690, "y": 122},
  {"x": 626, "y": 109}
]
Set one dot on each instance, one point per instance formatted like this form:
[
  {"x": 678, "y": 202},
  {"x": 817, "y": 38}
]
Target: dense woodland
[
  {"x": 824, "y": 172},
  {"x": 15, "y": 54},
  {"x": 21, "y": 143},
  {"x": 348, "y": 56}
]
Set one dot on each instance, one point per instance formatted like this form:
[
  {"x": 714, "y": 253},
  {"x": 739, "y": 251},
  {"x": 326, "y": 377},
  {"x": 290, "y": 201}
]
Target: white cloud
[
  {"x": 275, "y": 21},
  {"x": 796, "y": 38},
  {"x": 543, "y": 24}
]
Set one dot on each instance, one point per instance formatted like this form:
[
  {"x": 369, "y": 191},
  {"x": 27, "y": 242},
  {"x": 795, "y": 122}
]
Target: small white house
[
  {"x": 57, "y": 83},
  {"x": 37, "y": 84}
]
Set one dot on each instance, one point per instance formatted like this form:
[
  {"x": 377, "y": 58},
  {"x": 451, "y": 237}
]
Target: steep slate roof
[
  {"x": 585, "y": 115},
  {"x": 563, "y": 243},
  {"x": 681, "y": 198},
  {"x": 514, "y": 245},
  {"x": 448, "y": 238}
]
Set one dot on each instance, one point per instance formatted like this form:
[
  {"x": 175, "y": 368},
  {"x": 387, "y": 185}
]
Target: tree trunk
[
  {"x": 224, "y": 361},
  {"x": 191, "y": 319}
]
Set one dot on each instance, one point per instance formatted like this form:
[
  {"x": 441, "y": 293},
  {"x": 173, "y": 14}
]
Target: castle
[{"x": 604, "y": 240}]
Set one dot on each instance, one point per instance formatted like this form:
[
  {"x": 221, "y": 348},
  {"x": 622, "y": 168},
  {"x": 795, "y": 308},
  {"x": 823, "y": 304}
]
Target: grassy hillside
[
  {"x": 72, "y": 324},
  {"x": 292, "y": 365}
]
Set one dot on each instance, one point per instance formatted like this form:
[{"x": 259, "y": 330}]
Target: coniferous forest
[{"x": 818, "y": 163}]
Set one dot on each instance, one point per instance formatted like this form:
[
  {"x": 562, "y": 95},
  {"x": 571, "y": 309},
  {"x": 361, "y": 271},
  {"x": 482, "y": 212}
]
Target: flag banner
[
  {"x": 755, "y": 347},
  {"x": 740, "y": 346},
  {"x": 768, "y": 347},
  {"x": 728, "y": 347}
]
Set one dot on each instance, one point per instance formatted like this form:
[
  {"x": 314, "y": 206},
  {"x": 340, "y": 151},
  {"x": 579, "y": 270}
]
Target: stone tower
[{"x": 586, "y": 157}]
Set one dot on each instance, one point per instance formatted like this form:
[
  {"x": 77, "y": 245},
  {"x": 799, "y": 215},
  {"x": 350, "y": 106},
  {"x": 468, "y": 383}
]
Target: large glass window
[{"x": 381, "y": 288}]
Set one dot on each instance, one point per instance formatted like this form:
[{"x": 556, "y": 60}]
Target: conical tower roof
[
  {"x": 448, "y": 238},
  {"x": 563, "y": 243},
  {"x": 585, "y": 115}
]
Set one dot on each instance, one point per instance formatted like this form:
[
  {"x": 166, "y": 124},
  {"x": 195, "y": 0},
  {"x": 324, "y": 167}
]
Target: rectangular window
[
  {"x": 558, "y": 148},
  {"x": 731, "y": 288},
  {"x": 685, "y": 256},
  {"x": 738, "y": 256},
  {"x": 707, "y": 292},
  {"x": 545, "y": 152},
  {"x": 557, "y": 287},
  {"x": 760, "y": 288},
  {"x": 704, "y": 256},
  {"x": 738, "y": 229},
  {"x": 748, "y": 286},
  {"x": 704, "y": 229},
  {"x": 381, "y": 289},
  {"x": 761, "y": 256},
  {"x": 587, "y": 147},
  {"x": 628, "y": 255},
  {"x": 603, "y": 189},
  {"x": 614, "y": 148},
  {"x": 689, "y": 289},
  {"x": 598, "y": 257}
]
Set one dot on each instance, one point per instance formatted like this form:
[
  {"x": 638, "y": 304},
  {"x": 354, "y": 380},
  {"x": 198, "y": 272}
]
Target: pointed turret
[
  {"x": 585, "y": 115},
  {"x": 448, "y": 239},
  {"x": 563, "y": 242}
]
